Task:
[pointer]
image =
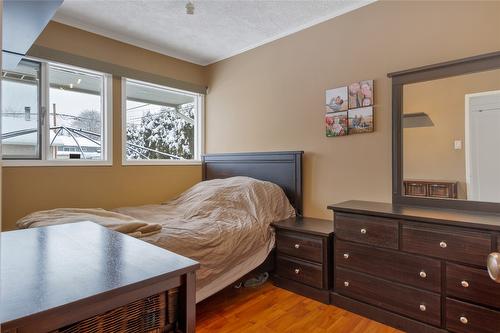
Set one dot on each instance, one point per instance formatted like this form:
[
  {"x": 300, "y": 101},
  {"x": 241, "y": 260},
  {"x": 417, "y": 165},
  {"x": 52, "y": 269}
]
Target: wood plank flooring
[{"x": 271, "y": 309}]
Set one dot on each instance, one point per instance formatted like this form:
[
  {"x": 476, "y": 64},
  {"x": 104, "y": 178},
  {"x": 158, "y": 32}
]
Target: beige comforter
[
  {"x": 115, "y": 221},
  {"x": 218, "y": 222}
]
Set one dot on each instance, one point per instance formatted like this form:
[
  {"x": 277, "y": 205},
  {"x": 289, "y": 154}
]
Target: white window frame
[
  {"x": 107, "y": 135},
  {"x": 199, "y": 137}
]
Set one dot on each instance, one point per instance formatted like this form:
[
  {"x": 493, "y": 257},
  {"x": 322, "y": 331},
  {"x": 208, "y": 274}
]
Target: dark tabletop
[
  {"x": 306, "y": 225},
  {"x": 473, "y": 219},
  {"x": 42, "y": 268}
]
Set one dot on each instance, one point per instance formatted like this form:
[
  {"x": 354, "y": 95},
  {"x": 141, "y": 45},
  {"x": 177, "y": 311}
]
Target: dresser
[
  {"x": 417, "y": 269},
  {"x": 303, "y": 256}
]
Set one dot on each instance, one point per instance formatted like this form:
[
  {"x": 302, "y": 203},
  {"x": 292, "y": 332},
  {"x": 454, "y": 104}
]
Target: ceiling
[{"x": 218, "y": 29}]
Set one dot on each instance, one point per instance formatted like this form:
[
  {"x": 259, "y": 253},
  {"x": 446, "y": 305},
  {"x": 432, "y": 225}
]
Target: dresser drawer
[
  {"x": 418, "y": 304},
  {"x": 367, "y": 229},
  {"x": 467, "y": 318},
  {"x": 300, "y": 271},
  {"x": 299, "y": 245},
  {"x": 472, "y": 284},
  {"x": 397, "y": 266},
  {"x": 447, "y": 243}
]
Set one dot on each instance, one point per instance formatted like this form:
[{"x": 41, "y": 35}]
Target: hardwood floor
[{"x": 271, "y": 309}]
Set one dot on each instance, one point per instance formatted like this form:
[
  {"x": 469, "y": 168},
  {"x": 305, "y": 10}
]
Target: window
[
  {"x": 55, "y": 114},
  {"x": 161, "y": 125},
  {"x": 21, "y": 111}
]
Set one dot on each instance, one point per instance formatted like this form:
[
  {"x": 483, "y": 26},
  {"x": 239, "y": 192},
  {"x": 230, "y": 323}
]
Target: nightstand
[{"x": 303, "y": 263}]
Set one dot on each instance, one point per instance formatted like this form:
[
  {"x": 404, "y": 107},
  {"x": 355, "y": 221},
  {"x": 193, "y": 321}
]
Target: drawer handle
[
  {"x": 464, "y": 320},
  {"x": 423, "y": 274},
  {"x": 297, "y": 271},
  {"x": 493, "y": 263},
  {"x": 443, "y": 245},
  {"x": 422, "y": 307},
  {"x": 465, "y": 284},
  {"x": 346, "y": 255},
  {"x": 297, "y": 246},
  {"x": 346, "y": 283},
  {"x": 363, "y": 231}
]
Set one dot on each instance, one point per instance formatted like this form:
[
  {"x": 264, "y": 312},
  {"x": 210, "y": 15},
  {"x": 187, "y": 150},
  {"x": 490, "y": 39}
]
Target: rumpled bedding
[
  {"x": 218, "y": 222},
  {"x": 114, "y": 221}
]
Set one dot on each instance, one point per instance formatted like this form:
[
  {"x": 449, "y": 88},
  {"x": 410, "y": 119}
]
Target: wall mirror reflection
[{"x": 451, "y": 137}]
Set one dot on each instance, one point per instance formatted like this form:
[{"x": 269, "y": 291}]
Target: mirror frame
[{"x": 469, "y": 65}]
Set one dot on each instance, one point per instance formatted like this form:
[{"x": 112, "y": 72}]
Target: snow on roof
[
  {"x": 68, "y": 141},
  {"x": 14, "y": 123}
]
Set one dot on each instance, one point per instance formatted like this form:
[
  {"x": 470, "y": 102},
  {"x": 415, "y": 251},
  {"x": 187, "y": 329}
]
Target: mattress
[{"x": 232, "y": 275}]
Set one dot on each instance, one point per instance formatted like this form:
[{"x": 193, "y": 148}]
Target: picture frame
[
  {"x": 360, "y": 120},
  {"x": 336, "y": 99},
  {"x": 360, "y": 94},
  {"x": 336, "y": 124}
]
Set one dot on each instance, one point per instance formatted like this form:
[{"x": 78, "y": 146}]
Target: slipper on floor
[{"x": 257, "y": 281}]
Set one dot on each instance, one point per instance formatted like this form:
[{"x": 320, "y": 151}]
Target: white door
[{"x": 482, "y": 139}]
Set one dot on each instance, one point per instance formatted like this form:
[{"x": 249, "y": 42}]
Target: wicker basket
[{"x": 154, "y": 314}]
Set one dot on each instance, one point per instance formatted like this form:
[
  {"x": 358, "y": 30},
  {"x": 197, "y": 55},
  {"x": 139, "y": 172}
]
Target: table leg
[{"x": 187, "y": 303}]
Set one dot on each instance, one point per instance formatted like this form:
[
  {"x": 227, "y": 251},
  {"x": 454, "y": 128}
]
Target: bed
[
  {"x": 206, "y": 222},
  {"x": 281, "y": 168}
]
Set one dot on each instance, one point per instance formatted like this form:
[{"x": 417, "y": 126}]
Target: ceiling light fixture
[{"x": 190, "y": 8}]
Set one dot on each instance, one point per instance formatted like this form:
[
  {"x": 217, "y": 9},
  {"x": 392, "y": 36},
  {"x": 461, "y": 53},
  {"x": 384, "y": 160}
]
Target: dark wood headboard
[{"x": 283, "y": 168}]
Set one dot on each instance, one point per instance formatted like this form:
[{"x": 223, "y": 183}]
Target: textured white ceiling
[{"x": 218, "y": 29}]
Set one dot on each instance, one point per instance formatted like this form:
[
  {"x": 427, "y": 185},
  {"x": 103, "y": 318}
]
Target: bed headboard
[{"x": 283, "y": 168}]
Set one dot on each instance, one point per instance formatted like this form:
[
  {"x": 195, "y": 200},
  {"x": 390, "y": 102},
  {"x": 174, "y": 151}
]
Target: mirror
[{"x": 451, "y": 137}]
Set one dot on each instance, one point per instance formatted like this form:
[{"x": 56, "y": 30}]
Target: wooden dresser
[
  {"x": 415, "y": 268},
  {"x": 432, "y": 189},
  {"x": 303, "y": 250}
]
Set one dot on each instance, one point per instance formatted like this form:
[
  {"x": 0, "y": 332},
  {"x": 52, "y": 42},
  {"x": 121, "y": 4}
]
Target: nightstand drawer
[
  {"x": 447, "y": 243},
  {"x": 409, "y": 269},
  {"x": 418, "y": 304},
  {"x": 467, "y": 318},
  {"x": 472, "y": 284},
  {"x": 367, "y": 229},
  {"x": 300, "y": 271},
  {"x": 300, "y": 245}
]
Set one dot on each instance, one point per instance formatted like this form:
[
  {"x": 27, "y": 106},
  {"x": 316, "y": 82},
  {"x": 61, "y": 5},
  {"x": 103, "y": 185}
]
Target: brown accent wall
[
  {"x": 28, "y": 189},
  {"x": 428, "y": 152},
  {"x": 83, "y": 43},
  {"x": 272, "y": 97}
]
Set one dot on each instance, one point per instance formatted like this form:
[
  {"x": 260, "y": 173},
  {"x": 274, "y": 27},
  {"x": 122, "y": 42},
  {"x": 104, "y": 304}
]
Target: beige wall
[
  {"x": 79, "y": 42},
  {"x": 27, "y": 189},
  {"x": 272, "y": 97},
  {"x": 428, "y": 152}
]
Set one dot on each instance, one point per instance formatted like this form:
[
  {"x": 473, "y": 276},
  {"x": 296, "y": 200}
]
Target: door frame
[{"x": 468, "y": 162}]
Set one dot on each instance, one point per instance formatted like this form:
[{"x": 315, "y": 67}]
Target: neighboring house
[{"x": 20, "y": 137}]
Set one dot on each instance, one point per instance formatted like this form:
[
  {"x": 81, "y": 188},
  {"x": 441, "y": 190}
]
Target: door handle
[{"x": 493, "y": 263}]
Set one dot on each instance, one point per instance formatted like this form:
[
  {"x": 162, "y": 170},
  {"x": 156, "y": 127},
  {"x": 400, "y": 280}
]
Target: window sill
[
  {"x": 61, "y": 163},
  {"x": 159, "y": 162}
]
